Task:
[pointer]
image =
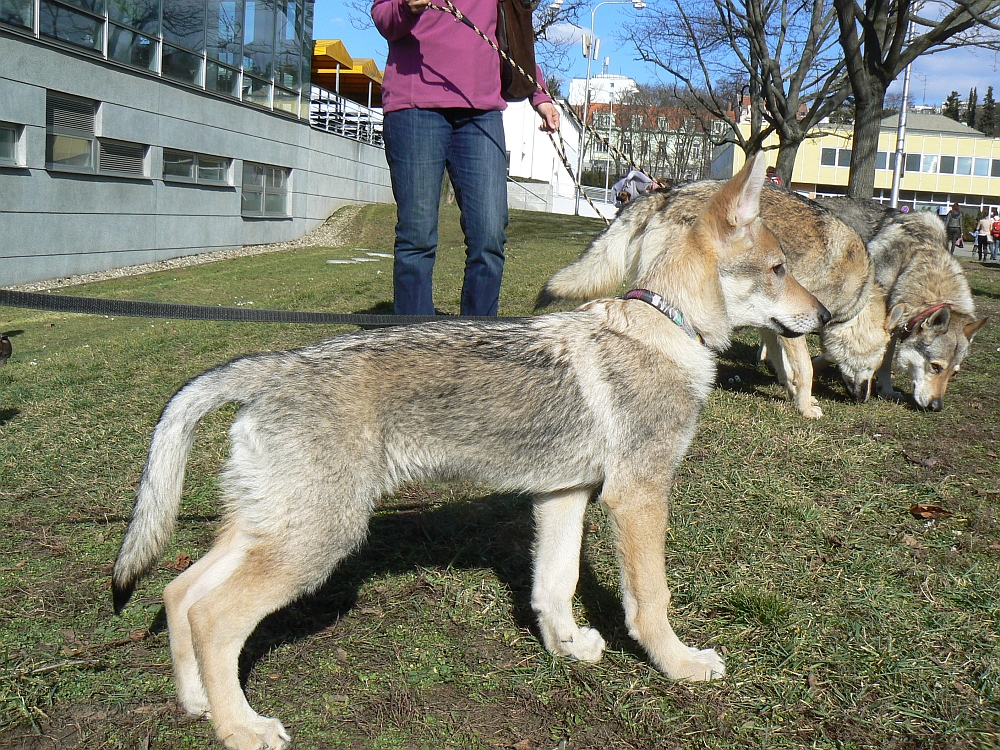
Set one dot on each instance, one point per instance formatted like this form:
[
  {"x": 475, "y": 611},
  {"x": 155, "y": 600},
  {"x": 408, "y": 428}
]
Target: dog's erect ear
[
  {"x": 939, "y": 319},
  {"x": 744, "y": 192},
  {"x": 895, "y": 317},
  {"x": 971, "y": 328}
]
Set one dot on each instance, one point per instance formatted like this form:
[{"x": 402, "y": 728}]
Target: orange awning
[{"x": 353, "y": 77}]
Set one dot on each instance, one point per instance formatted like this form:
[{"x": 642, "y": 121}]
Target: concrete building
[
  {"x": 944, "y": 162},
  {"x": 137, "y": 131}
]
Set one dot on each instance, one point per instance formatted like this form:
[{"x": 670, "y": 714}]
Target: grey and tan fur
[
  {"x": 603, "y": 399},
  {"x": 824, "y": 254},
  {"x": 912, "y": 264}
]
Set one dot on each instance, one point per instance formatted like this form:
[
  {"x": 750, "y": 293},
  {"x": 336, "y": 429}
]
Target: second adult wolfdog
[
  {"x": 937, "y": 319},
  {"x": 824, "y": 254},
  {"x": 603, "y": 399}
]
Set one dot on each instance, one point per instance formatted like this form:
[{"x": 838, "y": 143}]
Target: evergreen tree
[
  {"x": 987, "y": 122},
  {"x": 950, "y": 108},
  {"x": 970, "y": 108}
]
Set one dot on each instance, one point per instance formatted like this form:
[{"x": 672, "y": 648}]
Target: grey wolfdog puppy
[
  {"x": 605, "y": 398},
  {"x": 937, "y": 320},
  {"x": 825, "y": 255}
]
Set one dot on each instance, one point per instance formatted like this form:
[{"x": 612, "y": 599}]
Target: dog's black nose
[
  {"x": 824, "y": 315},
  {"x": 935, "y": 404}
]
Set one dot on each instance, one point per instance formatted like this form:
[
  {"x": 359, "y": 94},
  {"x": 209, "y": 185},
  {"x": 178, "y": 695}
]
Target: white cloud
[
  {"x": 936, "y": 76},
  {"x": 564, "y": 32}
]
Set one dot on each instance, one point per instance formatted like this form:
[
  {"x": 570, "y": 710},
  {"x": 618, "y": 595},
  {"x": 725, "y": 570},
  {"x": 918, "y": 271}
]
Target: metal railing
[{"x": 333, "y": 113}]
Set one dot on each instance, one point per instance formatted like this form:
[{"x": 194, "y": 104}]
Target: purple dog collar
[{"x": 675, "y": 315}]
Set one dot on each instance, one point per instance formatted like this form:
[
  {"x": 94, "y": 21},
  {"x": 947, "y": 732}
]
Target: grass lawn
[{"x": 845, "y": 621}]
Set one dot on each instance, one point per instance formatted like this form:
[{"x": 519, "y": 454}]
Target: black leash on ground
[{"x": 130, "y": 309}]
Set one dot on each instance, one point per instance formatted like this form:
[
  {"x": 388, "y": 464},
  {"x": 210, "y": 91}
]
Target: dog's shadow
[{"x": 494, "y": 532}]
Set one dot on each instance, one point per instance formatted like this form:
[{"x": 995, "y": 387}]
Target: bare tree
[
  {"x": 784, "y": 50},
  {"x": 877, "y": 44}
]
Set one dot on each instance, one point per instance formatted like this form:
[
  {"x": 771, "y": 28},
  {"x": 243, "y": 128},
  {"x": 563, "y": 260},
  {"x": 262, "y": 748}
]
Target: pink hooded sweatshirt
[{"x": 437, "y": 62}]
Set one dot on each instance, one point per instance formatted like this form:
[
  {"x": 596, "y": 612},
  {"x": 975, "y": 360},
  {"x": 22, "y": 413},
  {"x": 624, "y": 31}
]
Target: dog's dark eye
[
  {"x": 936, "y": 368},
  {"x": 779, "y": 270}
]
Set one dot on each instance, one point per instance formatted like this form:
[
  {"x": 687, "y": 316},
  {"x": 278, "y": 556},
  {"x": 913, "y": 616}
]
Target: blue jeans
[{"x": 419, "y": 145}]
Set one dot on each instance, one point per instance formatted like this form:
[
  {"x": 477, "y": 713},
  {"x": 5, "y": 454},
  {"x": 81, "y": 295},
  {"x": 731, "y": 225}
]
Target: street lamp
[{"x": 556, "y": 5}]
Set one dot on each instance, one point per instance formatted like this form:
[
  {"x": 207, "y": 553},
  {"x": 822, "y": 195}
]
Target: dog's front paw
[
  {"x": 698, "y": 665},
  {"x": 587, "y": 645},
  {"x": 260, "y": 733},
  {"x": 811, "y": 411}
]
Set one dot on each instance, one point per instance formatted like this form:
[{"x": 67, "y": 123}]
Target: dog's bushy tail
[
  {"x": 611, "y": 257},
  {"x": 158, "y": 500}
]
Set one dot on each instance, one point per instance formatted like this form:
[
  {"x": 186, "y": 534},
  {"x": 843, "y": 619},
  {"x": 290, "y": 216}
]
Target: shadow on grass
[
  {"x": 494, "y": 532},
  {"x": 8, "y": 414}
]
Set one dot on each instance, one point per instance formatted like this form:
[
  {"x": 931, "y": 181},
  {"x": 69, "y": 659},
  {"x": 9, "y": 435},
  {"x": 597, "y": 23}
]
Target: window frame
[
  {"x": 16, "y": 160},
  {"x": 265, "y": 190},
  {"x": 99, "y": 169},
  {"x": 60, "y": 131},
  {"x": 827, "y": 156},
  {"x": 195, "y": 178}
]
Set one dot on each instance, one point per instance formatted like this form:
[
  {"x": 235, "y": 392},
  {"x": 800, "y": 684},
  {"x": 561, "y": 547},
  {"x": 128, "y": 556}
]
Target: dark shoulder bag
[{"x": 516, "y": 38}]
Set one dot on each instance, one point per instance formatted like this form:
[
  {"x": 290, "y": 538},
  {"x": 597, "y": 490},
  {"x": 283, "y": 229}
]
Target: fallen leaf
[
  {"x": 523, "y": 745},
  {"x": 912, "y": 542},
  {"x": 923, "y": 510},
  {"x": 995, "y": 547},
  {"x": 340, "y": 655},
  {"x": 182, "y": 563},
  {"x": 813, "y": 680},
  {"x": 834, "y": 541}
]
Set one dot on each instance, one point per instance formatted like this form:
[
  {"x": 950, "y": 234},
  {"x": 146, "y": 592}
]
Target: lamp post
[
  {"x": 607, "y": 162},
  {"x": 556, "y": 5}
]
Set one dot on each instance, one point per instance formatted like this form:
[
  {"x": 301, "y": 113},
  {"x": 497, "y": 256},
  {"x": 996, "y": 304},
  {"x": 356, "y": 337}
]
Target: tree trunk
[
  {"x": 787, "y": 151},
  {"x": 867, "y": 124}
]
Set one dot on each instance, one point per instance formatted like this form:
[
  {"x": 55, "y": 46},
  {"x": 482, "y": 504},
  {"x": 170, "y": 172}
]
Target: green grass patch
[{"x": 846, "y": 622}]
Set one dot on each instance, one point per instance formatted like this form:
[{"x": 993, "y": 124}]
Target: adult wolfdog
[
  {"x": 825, "y": 255},
  {"x": 605, "y": 398},
  {"x": 938, "y": 319}
]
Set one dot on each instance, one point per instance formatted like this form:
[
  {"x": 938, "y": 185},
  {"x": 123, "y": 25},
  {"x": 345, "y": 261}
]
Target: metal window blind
[
  {"x": 122, "y": 158},
  {"x": 70, "y": 116}
]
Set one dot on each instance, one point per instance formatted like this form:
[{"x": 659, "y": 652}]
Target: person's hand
[
  {"x": 549, "y": 113},
  {"x": 417, "y": 6}
]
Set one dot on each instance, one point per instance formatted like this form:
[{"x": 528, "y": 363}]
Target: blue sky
[{"x": 934, "y": 77}]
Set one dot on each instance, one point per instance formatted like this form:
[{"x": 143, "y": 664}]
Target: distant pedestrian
[
  {"x": 984, "y": 237},
  {"x": 771, "y": 175},
  {"x": 995, "y": 232},
  {"x": 636, "y": 183},
  {"x": 953, "y": 222}
]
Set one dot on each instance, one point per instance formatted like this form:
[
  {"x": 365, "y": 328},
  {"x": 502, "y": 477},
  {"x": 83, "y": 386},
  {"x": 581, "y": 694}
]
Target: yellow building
[{"x": 945, "y": 162}]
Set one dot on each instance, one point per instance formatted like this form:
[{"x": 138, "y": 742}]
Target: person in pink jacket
[{"x": 442, "y": 105}]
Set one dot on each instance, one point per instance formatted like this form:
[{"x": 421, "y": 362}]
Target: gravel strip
[{"x": 329, "y": 234}]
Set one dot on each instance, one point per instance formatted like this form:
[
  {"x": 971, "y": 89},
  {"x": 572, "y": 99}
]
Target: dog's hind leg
[
  {"x": 639, "y": 515},
  {"x": 559, "y": 531},
  {"x": 264, "y": 570},
  {"x": 178, "y": 596}
]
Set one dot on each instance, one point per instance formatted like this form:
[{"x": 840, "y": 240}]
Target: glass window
[
  {"x": 947, "y": 165},
  {"x": 844, "y": 157},
  {"x": 181, "y": 65},
  {"x": 258, "y": 37},
  {"x": 94, "y": 6},
  {"x": 307, "y": 50},
  {"x": 222, "y": 79},
  {"x": 213, "y": 169},
  {"x": 265, "y": 190},
  {"x": 995, "y": 169},
  {"x": 66, "y": 151},
  {"x": 143, "y": 15},
  {"x": 929, "y": 163},
  {"x": 225, "y": 31},
  {"x": 964, "y": 165},
  {"x": 18, "y": 12},
  {"x": 287, "y": 38},
  {"x": 8, "y": 145},
  {"x": 184, "y": 23},
  {"x": 981, "y": 168},
  {"x": 178, "y": 165},
  {"x": 59, "y": 22},
  {"x": 131, "y": 48},
  {"x": 880, "y": 160},
  {"x": 286, "y": 101},
  {"x": 828, "y": 157},
  {"x": 256, "y": 91},
  {"x": 912, "y": 163}
]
